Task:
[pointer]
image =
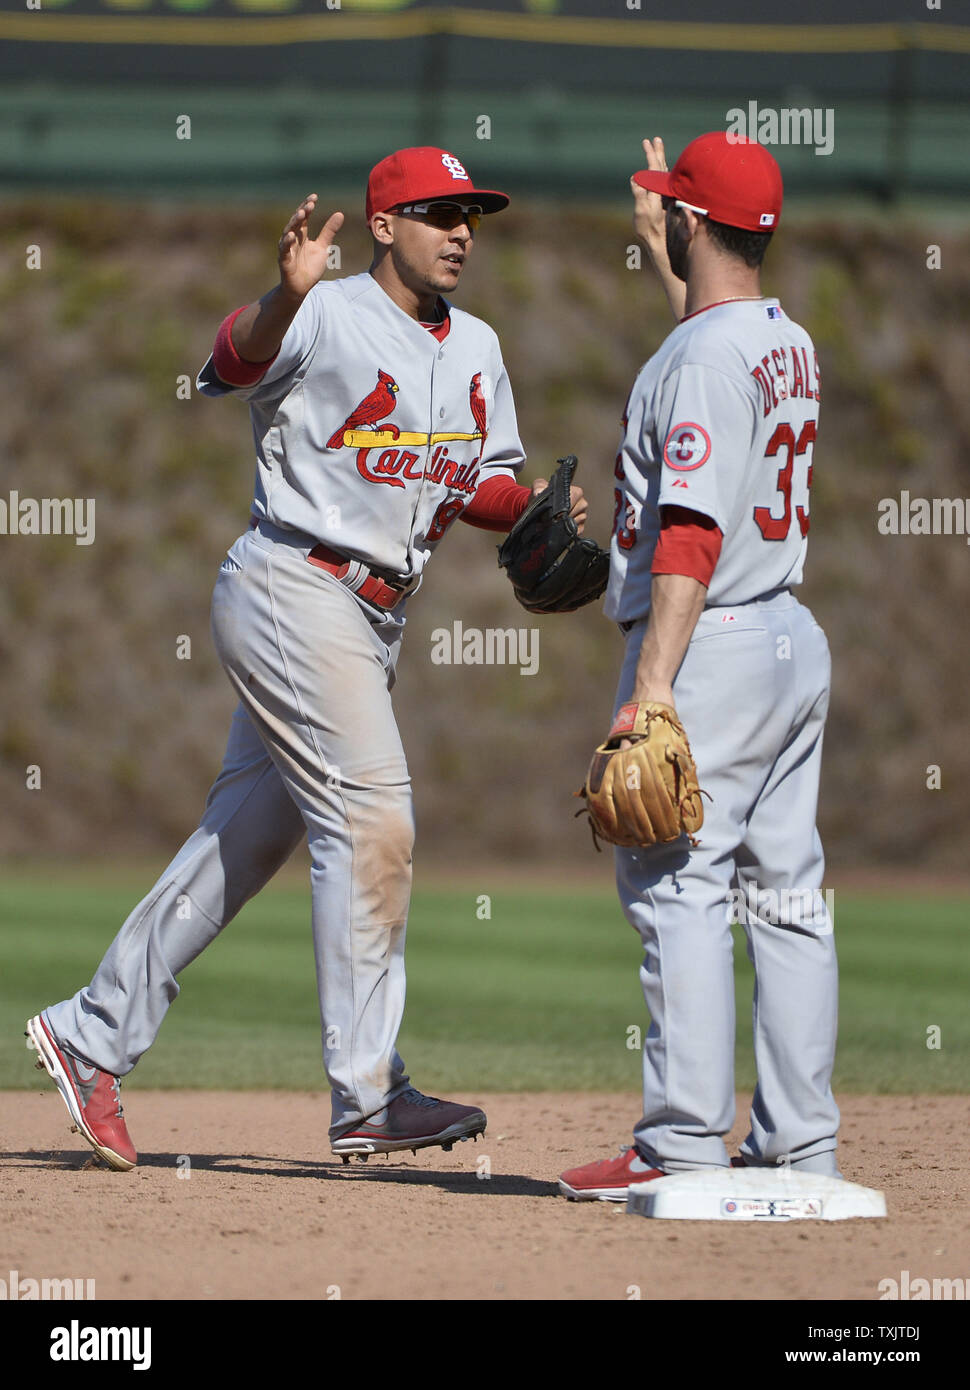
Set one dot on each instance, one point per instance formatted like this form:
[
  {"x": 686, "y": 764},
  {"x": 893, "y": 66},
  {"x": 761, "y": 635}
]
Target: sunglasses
[{"x": 447, "y": 215}]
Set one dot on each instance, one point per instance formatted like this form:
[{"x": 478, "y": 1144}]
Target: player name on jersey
[{"x": 784, "y": 374}]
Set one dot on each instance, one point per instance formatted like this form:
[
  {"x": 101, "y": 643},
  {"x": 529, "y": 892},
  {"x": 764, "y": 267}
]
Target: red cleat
[
  {"x": 608, "y": 1180},
  {"x": 92, "y": 1097}
]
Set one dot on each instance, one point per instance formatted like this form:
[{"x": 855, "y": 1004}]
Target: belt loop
[{"x": 353, "y": 574}]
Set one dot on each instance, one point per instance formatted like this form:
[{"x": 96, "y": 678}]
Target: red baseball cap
[
  {"x": 727, "y": 177},
  {"x": 422, "y": 173}
]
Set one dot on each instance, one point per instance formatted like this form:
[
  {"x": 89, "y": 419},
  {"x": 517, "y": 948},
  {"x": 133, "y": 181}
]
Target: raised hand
[
  {"x": 648, "y": 213},
  {"x": 302, "y": 258},
  {"x": 650, "y": 225}
]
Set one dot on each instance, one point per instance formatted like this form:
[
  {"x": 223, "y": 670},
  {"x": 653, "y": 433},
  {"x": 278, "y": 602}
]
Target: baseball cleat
[
  {"x": 607, "y": 1180},
  {"x": 412, "y": 1121},
  {"x": 92, "y": 1097}
]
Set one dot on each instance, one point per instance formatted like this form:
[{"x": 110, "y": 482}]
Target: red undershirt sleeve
[
  {"x": 497, "y": 505},
  {"x": 689, "y": 543},
  {"x": 230, "y": 367}
]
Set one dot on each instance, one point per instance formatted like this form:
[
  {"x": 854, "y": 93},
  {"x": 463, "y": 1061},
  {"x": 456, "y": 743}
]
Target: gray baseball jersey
[
  {"x": 371, "y": 435},
  {"x": 722, "y": 420}
]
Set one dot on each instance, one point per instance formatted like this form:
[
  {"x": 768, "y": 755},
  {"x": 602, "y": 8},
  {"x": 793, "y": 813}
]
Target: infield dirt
[{"x": 266, "y": 1212}]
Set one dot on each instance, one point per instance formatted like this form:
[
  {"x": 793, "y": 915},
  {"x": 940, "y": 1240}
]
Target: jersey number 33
[{"x": 784, "y": 441}]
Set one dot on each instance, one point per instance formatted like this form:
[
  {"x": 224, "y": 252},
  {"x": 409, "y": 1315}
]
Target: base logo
[{"x": 771, "y": 1208}]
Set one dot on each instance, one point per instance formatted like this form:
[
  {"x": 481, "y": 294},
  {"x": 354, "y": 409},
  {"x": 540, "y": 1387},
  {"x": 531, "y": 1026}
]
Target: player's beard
[
  {"x": 424, "y": 274},
  {"x": 677, "y": 244}
]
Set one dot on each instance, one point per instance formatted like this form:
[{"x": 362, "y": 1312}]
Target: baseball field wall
[{"x": 869, "y": 99}]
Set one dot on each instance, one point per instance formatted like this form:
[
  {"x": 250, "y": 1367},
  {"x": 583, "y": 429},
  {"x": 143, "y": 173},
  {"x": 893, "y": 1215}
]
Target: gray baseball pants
[
  {"x": 752, "y": 693},
  {"x": 313, "y": 751}
]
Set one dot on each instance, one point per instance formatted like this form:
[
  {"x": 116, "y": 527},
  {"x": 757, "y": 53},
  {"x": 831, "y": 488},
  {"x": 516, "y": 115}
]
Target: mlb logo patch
[
  {"x": 773, "y": 311},
  {"x": 767, "y": 219}
]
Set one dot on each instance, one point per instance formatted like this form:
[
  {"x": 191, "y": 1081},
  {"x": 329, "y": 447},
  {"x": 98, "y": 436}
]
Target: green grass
[{"x": 540, "y": 996}]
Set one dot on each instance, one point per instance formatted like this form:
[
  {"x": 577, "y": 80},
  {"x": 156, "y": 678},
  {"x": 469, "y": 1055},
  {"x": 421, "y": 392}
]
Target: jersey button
[
  {"x": 441, "y": 413},
  {"x": 441, "y": 354}
]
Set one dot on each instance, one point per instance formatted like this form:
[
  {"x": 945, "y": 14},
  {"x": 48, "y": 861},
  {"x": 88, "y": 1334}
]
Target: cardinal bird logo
[
  {"x": 476, "y": 399},
  {"x": 371, "y": 411}
]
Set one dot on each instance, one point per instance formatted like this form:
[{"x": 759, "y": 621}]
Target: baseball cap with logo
[
  {"x": 422, "y": 173},
  {"x": 726, "y": 177}
]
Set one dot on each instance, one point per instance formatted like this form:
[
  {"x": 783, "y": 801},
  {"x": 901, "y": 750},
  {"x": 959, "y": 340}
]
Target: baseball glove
[
  {"x": 552, "y": 568},
  {"x": 648, "y": 793}
]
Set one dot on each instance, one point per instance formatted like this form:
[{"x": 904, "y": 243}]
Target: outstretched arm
[
  {"x": 500, "y": 501},
  {"x": 259, "y": 330}
]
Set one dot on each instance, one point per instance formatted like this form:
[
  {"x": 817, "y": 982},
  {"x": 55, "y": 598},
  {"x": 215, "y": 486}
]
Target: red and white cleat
[
  {"x": 92, "y": 1097},
  {"x": 608, "y": 1180}
]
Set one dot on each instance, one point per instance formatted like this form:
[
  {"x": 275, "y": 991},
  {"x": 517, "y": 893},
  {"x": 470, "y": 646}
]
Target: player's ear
[
  {"x": 382, "y": 227},
  {"x": 692, "y": 222}
]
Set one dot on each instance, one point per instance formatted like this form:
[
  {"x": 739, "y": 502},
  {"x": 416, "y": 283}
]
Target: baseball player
[
  {"x": 380, "y": 414},
  {"x": 710, "y": 535}
]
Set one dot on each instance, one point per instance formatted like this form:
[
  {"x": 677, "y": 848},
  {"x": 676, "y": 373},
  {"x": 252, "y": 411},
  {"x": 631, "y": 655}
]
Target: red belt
[
  {"x": 372, "y": 589},
  {"x": 375, "y": 590}
]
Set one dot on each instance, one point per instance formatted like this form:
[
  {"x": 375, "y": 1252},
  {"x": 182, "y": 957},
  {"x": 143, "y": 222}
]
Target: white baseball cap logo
[
  {"x": 455, "y": 167},
  {"x": 688, "y": 446}
]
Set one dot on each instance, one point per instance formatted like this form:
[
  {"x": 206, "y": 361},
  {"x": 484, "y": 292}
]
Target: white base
[{"x": 753, "y": 1194}]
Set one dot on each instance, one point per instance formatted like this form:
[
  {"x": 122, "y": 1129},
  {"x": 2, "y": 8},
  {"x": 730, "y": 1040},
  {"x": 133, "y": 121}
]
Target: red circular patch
[{"x": 687, "y": 447}]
